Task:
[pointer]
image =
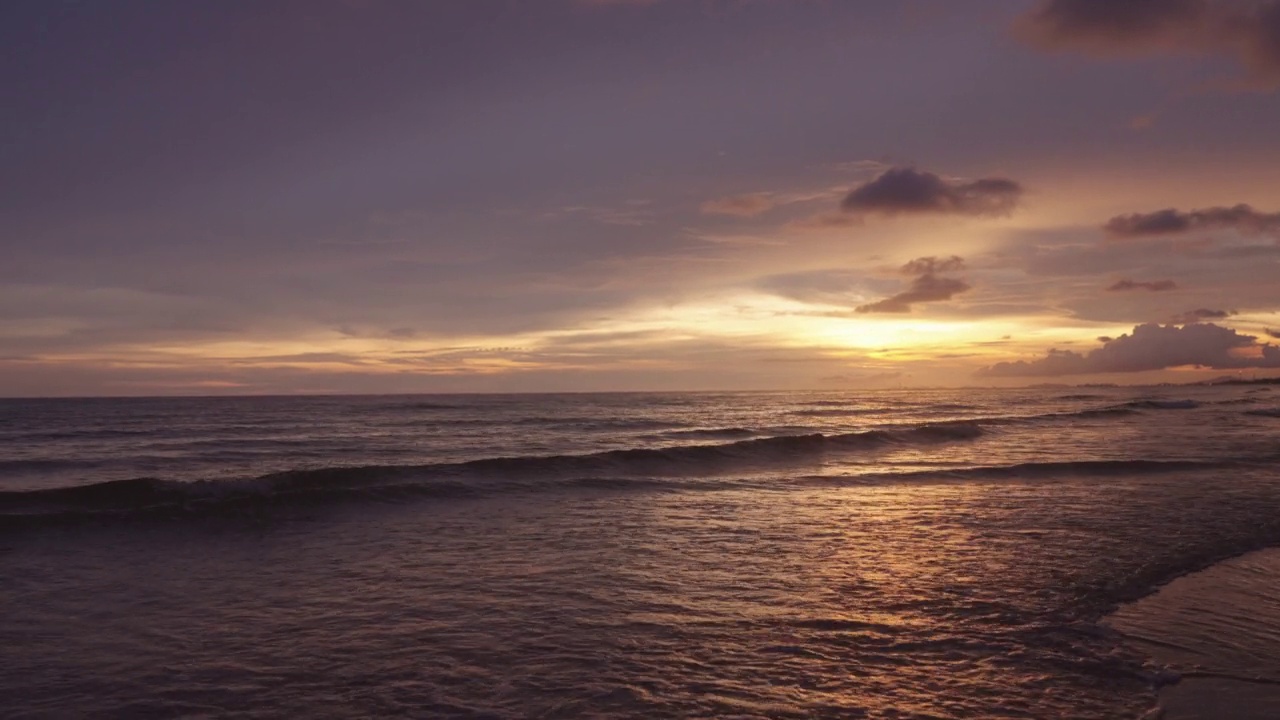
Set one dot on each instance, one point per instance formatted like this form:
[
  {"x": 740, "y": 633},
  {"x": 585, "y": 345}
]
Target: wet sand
[{"x": 1217, "y": 632}]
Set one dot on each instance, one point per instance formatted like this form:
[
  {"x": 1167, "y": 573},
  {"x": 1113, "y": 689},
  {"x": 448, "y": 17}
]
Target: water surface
[{"x": 940, "y": 554}]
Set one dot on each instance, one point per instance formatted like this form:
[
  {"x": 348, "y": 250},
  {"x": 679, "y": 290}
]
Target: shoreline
[{"x": 1216, "y": 633}]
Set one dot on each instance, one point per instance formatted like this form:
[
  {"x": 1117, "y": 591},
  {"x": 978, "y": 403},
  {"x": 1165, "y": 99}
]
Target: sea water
[{"x": 892, "y": 554}]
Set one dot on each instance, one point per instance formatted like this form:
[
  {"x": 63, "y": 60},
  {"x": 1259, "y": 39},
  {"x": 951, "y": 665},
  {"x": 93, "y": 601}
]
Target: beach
[{"x": 1216, "y": 633}]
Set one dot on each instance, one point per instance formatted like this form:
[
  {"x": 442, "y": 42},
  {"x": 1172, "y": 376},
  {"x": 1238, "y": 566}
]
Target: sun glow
[{"x": 877, "y": 333}]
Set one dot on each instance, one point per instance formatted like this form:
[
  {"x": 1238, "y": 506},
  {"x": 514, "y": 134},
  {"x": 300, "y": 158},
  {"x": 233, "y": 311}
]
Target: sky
[{"x": 379, "y": 196}]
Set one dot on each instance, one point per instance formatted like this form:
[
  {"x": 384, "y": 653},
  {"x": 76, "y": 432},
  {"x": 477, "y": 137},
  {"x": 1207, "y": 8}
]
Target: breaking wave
[{"x": 476, "y": 476}]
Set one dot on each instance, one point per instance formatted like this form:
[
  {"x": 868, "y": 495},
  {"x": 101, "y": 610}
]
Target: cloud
[
  {"x": 1249, "y": 30},
  {"x": 1153, "y": 285},
  {"x": 1151, "y": 347},
  {"x": 1272, "y": 333},
  {"x": 932, "y": 265},
  {"x": 1102, "y": 24},
  {"x": 1199, "y": 314},
  {"x": 905, "y": 190},
  {"x": 739, "y": 205},
  {"x": 1241, "y": 218},
  {"x": 927, "y": 287}
]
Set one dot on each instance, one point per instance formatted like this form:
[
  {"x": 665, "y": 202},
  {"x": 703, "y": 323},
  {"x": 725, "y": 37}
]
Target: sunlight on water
[{"x": 657, "y": 556}]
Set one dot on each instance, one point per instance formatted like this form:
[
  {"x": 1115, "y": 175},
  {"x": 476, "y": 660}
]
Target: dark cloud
[
  {"x": 1152, "y": 285},
  {"x": 906, "y": 190},
  {"x": 932, "y": 265},
  {"x": 1073, "y": 23},
  {"x": 1246, "y": 29},
  {"x": 1272, "y": 333},
  {"x": 1199, "y": 314},
  {"x": 1241, "y": 218},
  {"x": 927, "y": 287},
  {"x": 739, "y": 205},
  {"x": 1151, "y": 347}
]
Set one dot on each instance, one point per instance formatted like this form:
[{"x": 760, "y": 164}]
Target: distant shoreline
[{"x": 1040, "y": 386}]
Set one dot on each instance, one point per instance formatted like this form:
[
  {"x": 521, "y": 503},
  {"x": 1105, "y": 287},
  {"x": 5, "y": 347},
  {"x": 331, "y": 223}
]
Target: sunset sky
[{"x": 547, "y": 195}]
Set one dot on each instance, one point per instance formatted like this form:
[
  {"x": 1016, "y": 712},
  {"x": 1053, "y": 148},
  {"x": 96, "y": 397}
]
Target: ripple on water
[{"x": 938, "y": 599}]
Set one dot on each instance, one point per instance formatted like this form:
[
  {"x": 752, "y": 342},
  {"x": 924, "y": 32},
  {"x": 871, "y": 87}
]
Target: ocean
[{"x": 965, "y": 553}]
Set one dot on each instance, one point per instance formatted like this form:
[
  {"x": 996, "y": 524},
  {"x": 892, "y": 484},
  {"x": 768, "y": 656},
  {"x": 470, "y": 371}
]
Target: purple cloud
[
  {"x": 932, "y": 265},
  {"x": 1200, "y": 314},
  {"x": 908, "y": 191},
  {"x": 1241, "y": 218},
  {"x": 1249, "y": 31},
  {"x": 1151, "y": 347},
  {"x": 927, "y": 287}
]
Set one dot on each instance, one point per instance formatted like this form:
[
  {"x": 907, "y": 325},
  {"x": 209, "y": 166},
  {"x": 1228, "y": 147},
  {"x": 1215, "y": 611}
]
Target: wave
[
  {"x": 1161, "y": 404},
  {"x": 1097, "y": 468},
  {"x": 290, "y": 490},
  {"x": 1264, "y": 412},
  {"x": 843, "y": 409},
  {"x": 1052, "y": 469},
  {"x": 846, "y": 403},
  {"x": 1087, "y": 414},
  {"x": 1115, "y": 411},
  {"x": 710, "y": 433},
  {"x": 1106, "y": 412},
  {"x": 841, "y": 412},
  {"x": 421, "y": 406},
  {"x": 828, "y": 403},
  {"x": 85, "y": 434},
  {"x": 578, "y": 422},
  {"x": 1132, "y": 407},
  {"x": 476, "y": 476},
  {"x": 44, "y": 464},
  {"x": 682, "y": 461}
]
